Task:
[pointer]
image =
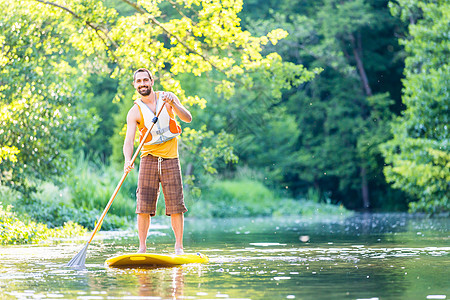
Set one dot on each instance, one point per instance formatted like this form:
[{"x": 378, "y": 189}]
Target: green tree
[
  {"x": 200, "y": 42},
  {"x": 41, "y": 118},
  {"x": 102, "y": 89},
  {"x": 75, "y": 39},
  {"x": 343, "y": 114},
  {"x": 418, "y": 155}
]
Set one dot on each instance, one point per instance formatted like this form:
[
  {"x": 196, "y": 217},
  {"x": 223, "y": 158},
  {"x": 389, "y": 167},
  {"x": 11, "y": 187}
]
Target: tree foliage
[
  {"x": 51, "y": 48},
  {"x": 40, "y": 91},
  {"x": 418, "y": 155},
  {"x": 63, "y": 62},
  {"x": 343, "y": 114}
]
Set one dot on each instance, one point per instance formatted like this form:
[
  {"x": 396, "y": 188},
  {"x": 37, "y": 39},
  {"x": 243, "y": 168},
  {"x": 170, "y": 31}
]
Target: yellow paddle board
[{"x": 148, "y": 259}]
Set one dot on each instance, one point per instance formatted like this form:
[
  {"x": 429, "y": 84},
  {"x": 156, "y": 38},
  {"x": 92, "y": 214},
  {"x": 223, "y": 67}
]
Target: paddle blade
[{"x": 79, "y": 260}]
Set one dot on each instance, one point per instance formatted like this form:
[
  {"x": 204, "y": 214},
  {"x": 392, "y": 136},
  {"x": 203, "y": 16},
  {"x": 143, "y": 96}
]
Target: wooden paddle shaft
[{"x": 100, "y": 221}]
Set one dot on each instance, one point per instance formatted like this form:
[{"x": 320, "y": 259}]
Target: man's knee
[{"x": 143, "y": 216}]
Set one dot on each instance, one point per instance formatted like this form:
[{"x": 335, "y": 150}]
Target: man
[{"x": 159, "y": 156}]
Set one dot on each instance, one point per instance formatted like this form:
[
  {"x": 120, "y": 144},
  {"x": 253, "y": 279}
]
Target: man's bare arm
[
  {"x": 179, "y": 109},
  {"x": 128, "y": 145}
]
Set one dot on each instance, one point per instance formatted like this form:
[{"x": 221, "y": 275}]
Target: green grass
[
  {"x": 242, "y": 198},
  {"x": 91, "y": 185}
]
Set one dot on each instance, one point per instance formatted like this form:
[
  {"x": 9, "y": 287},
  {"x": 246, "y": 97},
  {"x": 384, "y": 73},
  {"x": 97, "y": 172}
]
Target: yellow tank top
[{"x": 167, "y": 149}]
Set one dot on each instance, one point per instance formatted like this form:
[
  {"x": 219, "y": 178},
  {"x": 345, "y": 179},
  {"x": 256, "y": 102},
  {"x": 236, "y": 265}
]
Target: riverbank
[{"x": 48, "y": 212}]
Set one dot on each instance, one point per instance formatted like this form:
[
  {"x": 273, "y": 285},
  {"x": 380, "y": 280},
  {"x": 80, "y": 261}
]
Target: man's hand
[
  {"x": 168, "y": 97},
  {"x": 179, "y": 109},
  {"x": 128, "y": 166}
]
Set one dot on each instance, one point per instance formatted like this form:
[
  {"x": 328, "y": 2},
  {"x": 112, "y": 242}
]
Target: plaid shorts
[{"x": 152, "y": 171}]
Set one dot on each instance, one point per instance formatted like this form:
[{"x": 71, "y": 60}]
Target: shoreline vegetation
[
  {"x": 21, "y": 229},
  {"x": 73, "y": 207}
]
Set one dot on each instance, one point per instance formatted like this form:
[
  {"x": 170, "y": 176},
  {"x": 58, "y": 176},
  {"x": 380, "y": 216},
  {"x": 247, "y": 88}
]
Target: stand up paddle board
[{"x": 148, "y": 259}]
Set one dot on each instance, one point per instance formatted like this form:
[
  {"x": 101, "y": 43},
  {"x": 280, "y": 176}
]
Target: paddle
[{"x": 79, "y": 260}]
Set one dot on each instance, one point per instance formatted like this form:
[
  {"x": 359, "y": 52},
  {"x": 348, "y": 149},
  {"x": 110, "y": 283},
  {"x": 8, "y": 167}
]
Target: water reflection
[{"x": 168, "y": 284}]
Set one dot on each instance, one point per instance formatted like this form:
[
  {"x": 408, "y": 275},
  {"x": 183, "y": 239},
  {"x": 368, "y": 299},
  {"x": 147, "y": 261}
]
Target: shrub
[
  {"x": 15, "y": 231},
  {"x": 56, "y": 215},
  {"x": 236, "y": 198},
  {"x": 251, "y": 198},
  {"x": 86, "y": 192},
  {"x": 8, "y": 195},
  {"x": 291, "y": 207},
  {"x": 92, "y": 184},
  {"x": 431, "y": 207}
]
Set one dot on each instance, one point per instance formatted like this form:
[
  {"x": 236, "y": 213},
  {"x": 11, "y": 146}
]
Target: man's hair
[{"x": 142, "y": 70}]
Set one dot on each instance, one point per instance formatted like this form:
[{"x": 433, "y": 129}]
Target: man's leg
[
  {"x": 177, "y": 226},
  {"x": 143, "y": 222},
  {"x": 172, "y": 186}
]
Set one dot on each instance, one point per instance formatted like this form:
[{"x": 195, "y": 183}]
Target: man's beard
[{"x": 145, "y": 91}]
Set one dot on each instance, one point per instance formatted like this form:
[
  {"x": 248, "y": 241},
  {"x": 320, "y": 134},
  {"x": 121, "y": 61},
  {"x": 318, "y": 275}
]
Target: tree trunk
[
  {"x": 365, "y": 188},
  {"x": 357, "y": 53}
]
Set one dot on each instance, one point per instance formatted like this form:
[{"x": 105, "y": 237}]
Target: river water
[{"x": 365, "y": 256}]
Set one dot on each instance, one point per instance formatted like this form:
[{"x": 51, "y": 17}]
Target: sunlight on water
[{"x": 249, "y": 259}]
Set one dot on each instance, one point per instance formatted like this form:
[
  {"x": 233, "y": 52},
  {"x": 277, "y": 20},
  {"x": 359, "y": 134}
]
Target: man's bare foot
[{"x": 142, "y": 250}]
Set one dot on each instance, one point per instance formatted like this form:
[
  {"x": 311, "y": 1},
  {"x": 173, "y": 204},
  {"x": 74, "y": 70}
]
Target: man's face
[{"x": 143, "y": 84}]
